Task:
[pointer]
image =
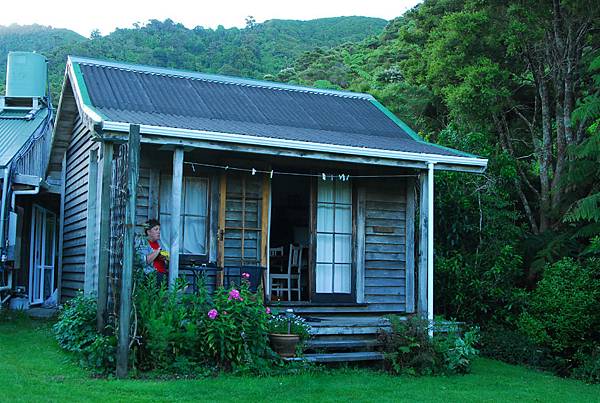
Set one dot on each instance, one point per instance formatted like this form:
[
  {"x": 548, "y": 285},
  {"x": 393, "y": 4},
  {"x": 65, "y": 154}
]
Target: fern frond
[
  {"x": 586, "y": 209},
  {"x": 588, "y": 231}
]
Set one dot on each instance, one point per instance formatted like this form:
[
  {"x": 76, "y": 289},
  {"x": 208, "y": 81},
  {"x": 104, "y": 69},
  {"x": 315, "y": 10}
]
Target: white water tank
[{"x": 26, "y": 75}]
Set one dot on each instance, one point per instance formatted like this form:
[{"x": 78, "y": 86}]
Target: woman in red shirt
[{"x": 155, "y": 260}]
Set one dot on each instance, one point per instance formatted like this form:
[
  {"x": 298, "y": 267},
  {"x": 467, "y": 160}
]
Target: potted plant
[{"x": 286, "y": 332}]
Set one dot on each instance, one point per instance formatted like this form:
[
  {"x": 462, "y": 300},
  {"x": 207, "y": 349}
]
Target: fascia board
[
  {"x": 81, "y": 95},
  {"x": 297, "y": 145}
]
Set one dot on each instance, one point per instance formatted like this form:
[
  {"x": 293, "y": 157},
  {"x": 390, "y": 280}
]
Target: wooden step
[
  {"x": 340, "y": 357},
  {"x": 341, "y": 344},
  {"x": 347, "y": 325}
]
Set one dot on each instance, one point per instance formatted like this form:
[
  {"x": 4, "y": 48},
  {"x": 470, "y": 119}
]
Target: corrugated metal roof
[
  {"x": 15, "y": 132},
  {"x": 160, "y": 97}
]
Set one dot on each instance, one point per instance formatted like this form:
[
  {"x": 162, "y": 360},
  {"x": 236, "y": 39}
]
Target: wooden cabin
[
  {"x": 329, "y": 185},
  {"x": 29, "y": 206}
]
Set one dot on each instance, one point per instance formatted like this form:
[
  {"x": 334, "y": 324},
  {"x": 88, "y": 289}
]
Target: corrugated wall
[
  {"x": 75, "y": 209},
  {"x": 385, "y": 246}
]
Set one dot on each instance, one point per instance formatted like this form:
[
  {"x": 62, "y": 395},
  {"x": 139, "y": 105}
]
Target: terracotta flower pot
[{"x": 284, "y": 344}]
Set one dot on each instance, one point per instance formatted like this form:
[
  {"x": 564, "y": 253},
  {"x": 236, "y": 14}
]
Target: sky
[{"x": 83, "y": 16}]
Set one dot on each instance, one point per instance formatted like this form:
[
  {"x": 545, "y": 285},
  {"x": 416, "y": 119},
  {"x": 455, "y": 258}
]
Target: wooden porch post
[
  {"x": 265, "y": 233},
  {"x": 90, "y": 232},
  {"x": 128, "y": 250},
  {"x": 177, "y": 190},
  {"x": 430, "y": 245},
  {"x": 360, "y": 231},
  {"x": 423, "y": 239},
  {"x": 425, "y": 303},
  {"x": 103, "y": 261},
  {"x": 410, "y": 245},
  {"x": 221, "y": 236}
]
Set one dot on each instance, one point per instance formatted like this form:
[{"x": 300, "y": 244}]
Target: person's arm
[{"x": 150, "y": 257}]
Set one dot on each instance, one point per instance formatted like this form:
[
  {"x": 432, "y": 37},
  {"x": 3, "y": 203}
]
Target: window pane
[
  {"x": 195, "y": 193},
  {"x": 165, "y": 229},
  {"x": 343, "y": 192},
  {"x": 343, "y": 249},
  {"x": 325, "y": 217},
  {"x": 324, "y": 248},
  {"x": 324, "y": 278},
  {"x": 194, "y": 235},
  {"x": 194, "y": 212},
  {"x": 342, "y": 278},
  {"x": 325, "y": 191},
  {"x": 165, "y": 194},
  {"x": 343, "y": 219},
  {"x": 49, "y": 240}
]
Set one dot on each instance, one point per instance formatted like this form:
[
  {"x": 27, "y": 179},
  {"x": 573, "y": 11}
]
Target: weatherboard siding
[{"x": 75, "y": 209}]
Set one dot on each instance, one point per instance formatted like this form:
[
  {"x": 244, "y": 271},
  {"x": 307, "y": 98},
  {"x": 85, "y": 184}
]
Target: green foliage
[
  {"x": 458, "y": 352},
  {"x": 289, "y": 324},
  {"x": 585, "y": 170},
  {"x": 409, "y": 350},
  {"x": 512, "y": 346},
  {"x": 484, "y": 292},
  {"x": 166, "y": 326},
  {"x": 236, "y": 338},
  {"x": 254, "y": 51},
  {"x": 76, "y": 332},
  {"x": 187, "y": 333},
  {"x": 589, "y": 369},
  {"x": 562, "y": 311}
]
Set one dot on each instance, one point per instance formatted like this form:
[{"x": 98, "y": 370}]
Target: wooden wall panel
[{"x": 75, "y": 210}]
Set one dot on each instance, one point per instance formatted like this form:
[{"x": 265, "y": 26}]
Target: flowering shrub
[
  {"x": 234, "y": 331},
  {"x": 177, "y": 332},
  {"x": 289, "y": 324}
]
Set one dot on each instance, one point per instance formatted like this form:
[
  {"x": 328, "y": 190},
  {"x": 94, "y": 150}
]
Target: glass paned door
[
  {"x": 333, "y": 266},
  {"x": 42, "y": 254}
]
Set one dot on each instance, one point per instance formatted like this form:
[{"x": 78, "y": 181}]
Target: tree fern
[{"x": 585, "y": 170}]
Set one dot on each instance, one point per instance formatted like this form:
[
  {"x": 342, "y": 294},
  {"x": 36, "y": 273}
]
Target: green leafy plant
[
  {"x": 234, "y": 330},
  {"x": 562, "y": 312},
  {"x": 458, "y": 352},
  {"x": 76, "y": 332},
  {"x": 409, "y": 349}
]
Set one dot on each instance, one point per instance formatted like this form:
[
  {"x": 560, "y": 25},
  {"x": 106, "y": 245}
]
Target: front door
[
  {"x": 42, "y": 254},
  {"x": 241, "y": 221},
  {"x": 333, "y": 279}
]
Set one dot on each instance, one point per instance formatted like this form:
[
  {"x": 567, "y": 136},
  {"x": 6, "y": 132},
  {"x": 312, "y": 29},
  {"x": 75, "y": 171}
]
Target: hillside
[{"x": 253, "y": 51}]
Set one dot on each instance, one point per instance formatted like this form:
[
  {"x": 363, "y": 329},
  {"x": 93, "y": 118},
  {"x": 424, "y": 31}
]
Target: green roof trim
[
  {"x": 85, "y": 96},
  {"x": 412, "y": 133}
]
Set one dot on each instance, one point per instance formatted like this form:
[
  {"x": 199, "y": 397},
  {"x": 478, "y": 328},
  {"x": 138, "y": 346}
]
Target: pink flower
[
  {"x": 212, "y": 314},
  {"x": 246, "y": 276},
  {"x": 268, "y": 310},
  {"x": 234, "y": 294}
]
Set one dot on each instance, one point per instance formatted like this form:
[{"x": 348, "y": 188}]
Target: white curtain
[
  {"x": 334, "y": 237},
  {"x": 193, "y": 214}
]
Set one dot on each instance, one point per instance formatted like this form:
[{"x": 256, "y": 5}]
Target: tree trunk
[{"x": 545, "y": 157}]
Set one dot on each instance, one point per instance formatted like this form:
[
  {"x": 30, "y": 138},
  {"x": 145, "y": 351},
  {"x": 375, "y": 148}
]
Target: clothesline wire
[{"x": 272, "y": 172}]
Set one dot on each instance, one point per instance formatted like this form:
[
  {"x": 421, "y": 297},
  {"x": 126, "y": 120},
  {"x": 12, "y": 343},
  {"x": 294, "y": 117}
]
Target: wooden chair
[{"x": 291, "y": 281}]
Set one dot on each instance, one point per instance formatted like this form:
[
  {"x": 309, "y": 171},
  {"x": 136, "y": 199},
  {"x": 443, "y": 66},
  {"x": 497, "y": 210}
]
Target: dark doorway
[{"x": 290, "y": 235}]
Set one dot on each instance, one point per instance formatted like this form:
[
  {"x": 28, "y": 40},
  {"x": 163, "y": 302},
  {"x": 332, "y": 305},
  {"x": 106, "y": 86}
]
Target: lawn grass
[{"x": 33, "y": 368}]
